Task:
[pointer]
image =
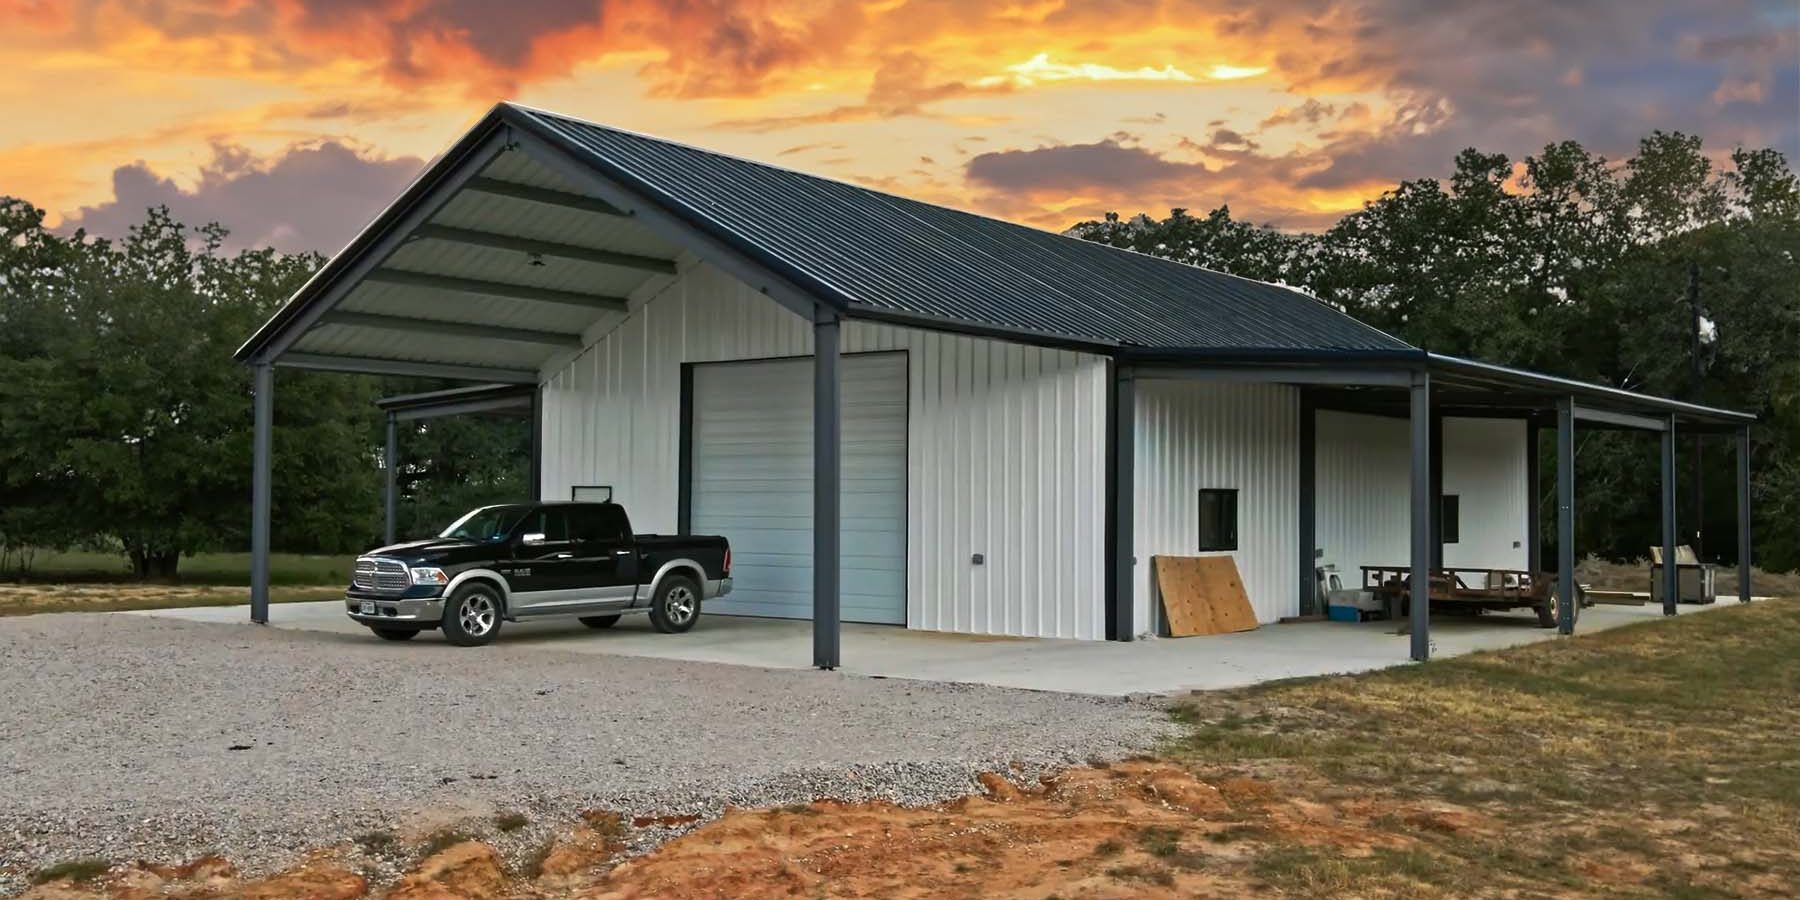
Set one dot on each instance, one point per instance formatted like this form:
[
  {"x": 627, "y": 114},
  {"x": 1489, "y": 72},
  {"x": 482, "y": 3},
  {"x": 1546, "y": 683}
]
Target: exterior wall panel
[
  {"x": 1196, "y": 435},
  {"x": 1364, "y": 491},
  {"x": 1006, "y": 449}
]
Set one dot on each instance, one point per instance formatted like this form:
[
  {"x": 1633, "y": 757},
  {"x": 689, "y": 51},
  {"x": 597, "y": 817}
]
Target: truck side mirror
[{"x": 535, "y": 537}]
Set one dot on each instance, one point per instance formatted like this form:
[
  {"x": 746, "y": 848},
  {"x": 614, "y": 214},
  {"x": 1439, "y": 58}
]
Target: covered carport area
[{"x": 1424, "y": 389}]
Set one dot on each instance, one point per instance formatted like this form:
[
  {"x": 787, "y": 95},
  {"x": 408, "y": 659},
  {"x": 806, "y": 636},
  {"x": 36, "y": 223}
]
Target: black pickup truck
[{"x": 528, "y": 560}]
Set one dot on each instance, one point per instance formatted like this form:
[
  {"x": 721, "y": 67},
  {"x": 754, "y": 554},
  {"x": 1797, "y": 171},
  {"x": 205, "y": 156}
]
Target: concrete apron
[{"x": 1154, "y": 666}]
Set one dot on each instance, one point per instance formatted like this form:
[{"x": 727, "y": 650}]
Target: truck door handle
[
  {"x": 621, "y": 552},
  {"x": 562, "y": 556}
]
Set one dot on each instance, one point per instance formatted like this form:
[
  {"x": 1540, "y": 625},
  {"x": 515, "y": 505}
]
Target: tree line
[
  {"x": 1666, "y": 273},
  {"x": 124, "y": 422}
]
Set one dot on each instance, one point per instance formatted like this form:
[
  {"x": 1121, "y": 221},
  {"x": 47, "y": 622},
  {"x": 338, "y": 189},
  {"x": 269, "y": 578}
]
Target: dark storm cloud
[
  {"x": 310, "y": 198},
  {"x": 1103, "y": 165}
]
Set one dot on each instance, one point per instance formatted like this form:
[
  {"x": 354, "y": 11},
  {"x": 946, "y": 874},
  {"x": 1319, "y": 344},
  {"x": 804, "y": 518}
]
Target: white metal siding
[
  {"x": 1006, "y": 449},
  {"x": 1484, "y": 465},
  {"x": 1362, "y": 488},
  {"x": 1364, "y": 491},
  {"x": 1194, "y": 435},
  {"x": 752, "y": 483}
]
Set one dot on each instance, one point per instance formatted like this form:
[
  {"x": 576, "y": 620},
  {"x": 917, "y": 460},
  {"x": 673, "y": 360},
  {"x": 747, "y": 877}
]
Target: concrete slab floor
[{"x": 1154, "y": 666}]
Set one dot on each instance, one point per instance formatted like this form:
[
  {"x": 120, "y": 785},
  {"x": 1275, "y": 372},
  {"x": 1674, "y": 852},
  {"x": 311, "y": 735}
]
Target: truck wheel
[
  {"x": 599, "y": 621},
  {"x": 472, "y": 615},
  {"x": 677, "y": 605},
  {"x": 394, "y": 634}
]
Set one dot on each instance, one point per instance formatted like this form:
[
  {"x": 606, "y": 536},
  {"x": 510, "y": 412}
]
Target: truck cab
[{"x": 511, "y": 562}]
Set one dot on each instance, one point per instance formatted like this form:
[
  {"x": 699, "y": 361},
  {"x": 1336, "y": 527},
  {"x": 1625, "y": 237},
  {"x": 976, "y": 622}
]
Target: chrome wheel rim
[
  {"x": 476, "y": 615},
  {"x": 680, "y": 605}
]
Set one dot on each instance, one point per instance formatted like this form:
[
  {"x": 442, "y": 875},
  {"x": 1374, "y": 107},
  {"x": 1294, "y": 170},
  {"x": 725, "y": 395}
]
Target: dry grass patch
[
  {"x": 31, "y": 599},
  {"x": 1652, "y": 760}
]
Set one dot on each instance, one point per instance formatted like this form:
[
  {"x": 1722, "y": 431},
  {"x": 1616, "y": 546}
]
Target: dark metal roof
[{"x": 874, "y": 253}]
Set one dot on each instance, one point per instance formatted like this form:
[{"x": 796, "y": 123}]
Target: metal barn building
[{"x": 901, "y": 413}]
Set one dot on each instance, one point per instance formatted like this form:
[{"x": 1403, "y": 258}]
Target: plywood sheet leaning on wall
[{"x": 1202, "y": 595}]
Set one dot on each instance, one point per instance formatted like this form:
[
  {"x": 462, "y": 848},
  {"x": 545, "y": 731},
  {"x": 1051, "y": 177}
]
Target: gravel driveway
[{"x": 129, "y": 736}]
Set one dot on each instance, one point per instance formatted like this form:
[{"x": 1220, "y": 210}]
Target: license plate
[{"x": 368, "y": 607}]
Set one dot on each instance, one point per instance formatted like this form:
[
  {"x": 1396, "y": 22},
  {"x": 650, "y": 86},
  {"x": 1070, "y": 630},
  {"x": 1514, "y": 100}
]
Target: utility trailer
[{"x": 1472, "y": 589}]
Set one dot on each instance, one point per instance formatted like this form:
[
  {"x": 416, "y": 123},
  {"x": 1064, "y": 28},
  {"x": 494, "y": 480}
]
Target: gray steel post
[
  {"x": 1534, "y": 502},
  {"x": 390, "y": 459},
  {"x": 1565, "y": 515},
  {"x": 1671, "y": 575},
  {"x": 1422, "y": 554},
  {"x": 827, "y": 447},
  {"x": 1743, "y": 513},
  {"x": 1309, "y": 442},
  {"x": 1124, "y": 512},
  {"x": 263, "y": 416}
]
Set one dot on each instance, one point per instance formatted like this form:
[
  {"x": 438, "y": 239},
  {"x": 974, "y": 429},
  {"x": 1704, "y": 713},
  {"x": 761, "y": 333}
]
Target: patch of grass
[
  {"x": 1233, "y": 833},
  {"x": 76, "y": 870},
  {"x": 1159, "y": 840},
  {"x": 512, "y": 821},
  {"x": 32, "y": 599},
  {"x": 201, "y": 568},
  {"x": 1154, "y": 875},
  {"x": 1570, "y": 751},
  {"x": 1108, "y": 848},
  {"x": 443, "y": 839}
]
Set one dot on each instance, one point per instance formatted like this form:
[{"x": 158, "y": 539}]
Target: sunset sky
[{"x": 294, "y": 121}]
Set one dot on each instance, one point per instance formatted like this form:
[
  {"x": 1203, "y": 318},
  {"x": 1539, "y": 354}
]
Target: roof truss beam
[
  {"x": 544, "y": 196},
  {"x": 454, "y": 372},
  {"x": 1614, "y": 419},
  {"x": 532, "y": 246},
  {"x": 1394, "y": 377},
  {"x": 411, "y": 325},
  {"x": 503, "y": 289}
]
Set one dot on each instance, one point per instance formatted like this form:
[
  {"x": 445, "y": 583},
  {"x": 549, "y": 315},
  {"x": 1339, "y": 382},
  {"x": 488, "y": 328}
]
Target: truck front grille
[{"x": 374, "y": 573}]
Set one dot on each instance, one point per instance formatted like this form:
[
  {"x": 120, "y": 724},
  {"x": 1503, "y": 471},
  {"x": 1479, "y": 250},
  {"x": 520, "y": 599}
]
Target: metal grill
[{"x": 374, "y": 573}]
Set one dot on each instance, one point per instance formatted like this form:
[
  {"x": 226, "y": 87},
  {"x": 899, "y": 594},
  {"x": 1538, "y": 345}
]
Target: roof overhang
[
  {"x": 1365, "y": 381},
  {"x": 490, "y": 266},
  {"x": 506, "y": 400}
]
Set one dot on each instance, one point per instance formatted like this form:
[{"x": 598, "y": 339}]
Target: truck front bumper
[{"x": 425, "y": 612}]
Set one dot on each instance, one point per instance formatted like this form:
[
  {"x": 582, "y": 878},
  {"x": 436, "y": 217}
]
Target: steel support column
[
  {"x": 1671, "y": 574},
  {"x": 1123, "y": 510},
  {"x": 1565, "y": 515},
  {"x": 1309, "y": 445},
  {"x": 827, "y": 447},
  {"x": 1743, "y": 513},
  {"x": 1534, "y": 501},
  {"x": 263, "y": 416},
  {"x": 1437, "y": 489},
  {"x": 535, "y": 490},
  {"x": 390, "y": 460},
  {"x": 1422, "y": 555}
]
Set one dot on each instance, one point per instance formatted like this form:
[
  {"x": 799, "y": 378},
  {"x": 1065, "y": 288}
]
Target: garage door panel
[{"x": 752, "y": 483}]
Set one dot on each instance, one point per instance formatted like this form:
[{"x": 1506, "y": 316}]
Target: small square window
[
  {"x": 1218, "y": 519},
  {"x": 1451, "y": 511},
  {"x": 591, "y": 493}
]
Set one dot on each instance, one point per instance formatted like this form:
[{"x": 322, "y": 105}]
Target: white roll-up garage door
[{"x": 752, "y": 483}]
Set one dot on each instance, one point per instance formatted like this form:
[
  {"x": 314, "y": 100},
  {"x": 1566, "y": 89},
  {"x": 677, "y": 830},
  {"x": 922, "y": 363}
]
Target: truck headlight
[{"x": 429, "y": 576}]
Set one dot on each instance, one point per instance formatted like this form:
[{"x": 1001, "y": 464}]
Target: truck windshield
[{"x": 489, "y": 523}]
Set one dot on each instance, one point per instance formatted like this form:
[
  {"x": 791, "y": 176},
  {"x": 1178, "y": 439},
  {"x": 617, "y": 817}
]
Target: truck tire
[
  {"x": 676, "y": 606},
  {"x": 390, "y": 633},
  {"x": 599, "y": 621},
  {"x": 472, "y": 615}
]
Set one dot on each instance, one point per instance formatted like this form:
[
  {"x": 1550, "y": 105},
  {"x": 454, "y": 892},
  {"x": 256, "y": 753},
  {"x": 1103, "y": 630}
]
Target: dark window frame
[
  {"x": 1221, "y": 535},
  {"x": 576, "y": 489}
]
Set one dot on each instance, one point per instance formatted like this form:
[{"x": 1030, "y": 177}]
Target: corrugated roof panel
[
  {"x": 507, "y": 215},
  {"x": 900, "y": 255},
  {"x": 455, "y": 306},
  {"x": 380, "y": 343},
  {"x": 513, "y": 267}
]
